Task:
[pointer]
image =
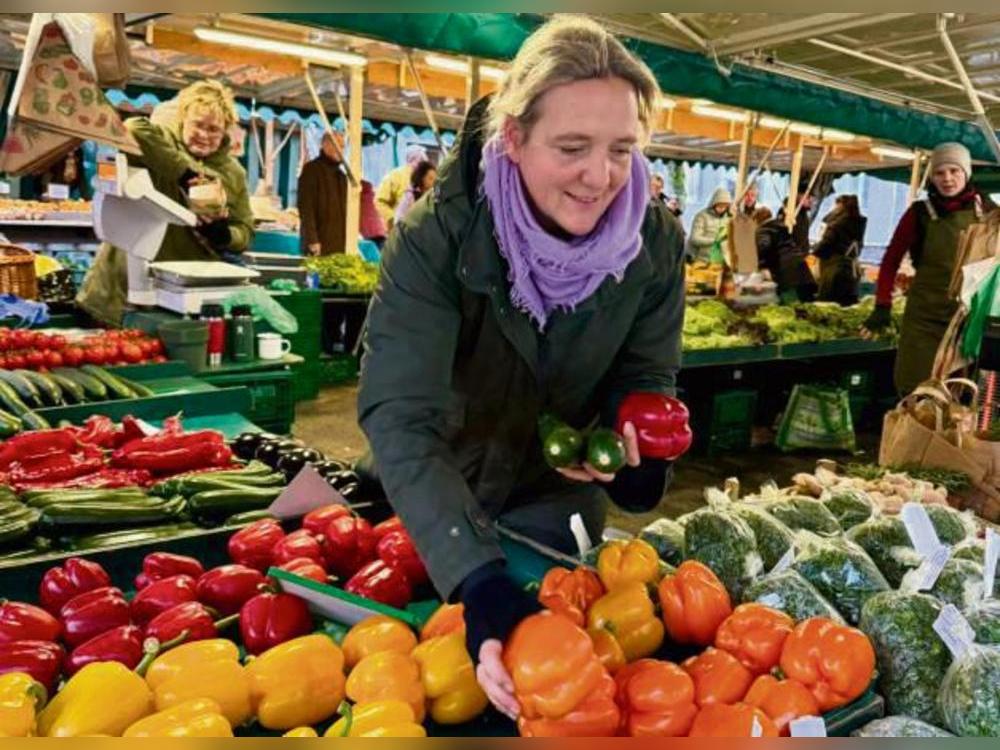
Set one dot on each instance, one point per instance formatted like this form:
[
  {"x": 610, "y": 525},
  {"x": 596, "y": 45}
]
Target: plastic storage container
[{"x": 186, "y": 340}]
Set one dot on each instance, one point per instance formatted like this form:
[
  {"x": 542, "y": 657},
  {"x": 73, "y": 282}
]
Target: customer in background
[
  {"x": 783, "y": 254},
  {"x": 394, "y": 185},
  {"x": 656, "y": 189},
  {"x": 673, "y": 204},
  {"x": 372, "y": 226},
  {"x": 710, "y": 228},
  {"x": 323, "y": 199},
  {"x": 749, "y": 203},
  {"x": 421, "y": 181},
  {"x": 839, "y": 252}
]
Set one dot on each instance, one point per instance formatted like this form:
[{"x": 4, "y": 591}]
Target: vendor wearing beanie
[{"x": 929, "y": 231}]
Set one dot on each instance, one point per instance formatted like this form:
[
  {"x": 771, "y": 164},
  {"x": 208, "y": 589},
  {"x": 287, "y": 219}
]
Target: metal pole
[
  {"x": 767, "y": 155},
  {"x": 741, "y": 169},
  {"x": 812, "y": 180},
  {"x": 793, "y": 186},
  {"x": 428, "y": 112},
  {"x": 356, "y": 104}
]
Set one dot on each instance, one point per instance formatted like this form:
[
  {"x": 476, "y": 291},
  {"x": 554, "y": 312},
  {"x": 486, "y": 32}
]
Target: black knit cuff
[
  {"x": 494, "y": 605},
  {"x": 639, "y": 489}
]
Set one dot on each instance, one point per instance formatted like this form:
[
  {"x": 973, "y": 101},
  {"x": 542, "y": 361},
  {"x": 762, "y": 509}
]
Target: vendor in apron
[{"x": 929, "y": 231}]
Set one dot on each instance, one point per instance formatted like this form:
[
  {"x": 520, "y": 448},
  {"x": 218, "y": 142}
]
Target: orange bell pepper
[
  {"x": 718, "y": 677},
  {"x": 656, "y": 699},
  {"x": 736, "y": 720},
  {"x": 374, "y": 634},
  {"x": 448, "y": 618},
  {"x": 781, "y": 700},
  {"x": 570, "y": 593},
  {"x": 553, "y": 666},
  {"x": 754, "y": 634},
  {"x": 623, "y": 562},
  {"x": 388, "y": 676},
  {"x": 628, "y": 613},
  {"x": 835, "y": 662},
  {"x": 694, "y": 603},
  {"x": 609, "y": 651},
  {"x": 597, "y": 716}
]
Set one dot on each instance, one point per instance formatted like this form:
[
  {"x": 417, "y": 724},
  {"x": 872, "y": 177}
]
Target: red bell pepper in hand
[
  {"x": 158, "y": 565},
  {"x": 253, "y": 545},
  {"x": 389, "y": 525},
  {"x": 26, "y": 622},
  {"x": 661, "y": 424},
  {"x": 316, "y": 520},
  {"x": 227, "y": 588},
  {"x": 306, "y": 568},
  {"x": 348, "y": 545},
  {"x": 41, "y": 659},
  {"x": 190, "y": 619},
  {"x": 123, "y": 645},
  {"x": 92, "y": 613},
  {"x": 75, "y": 576},
  {"x": 397, "y": 550},
  {"x": 299, "y": 543},
  {"x": 269, "y": 619},
  {"x": 383, "y": 583},
  {"x": 160, "y": 596}
]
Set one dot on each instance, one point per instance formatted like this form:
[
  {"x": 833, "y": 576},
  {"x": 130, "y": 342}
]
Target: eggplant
[
  {"x": 342, "y": 478},
  {"x": 269, "y": 453},
  {"x": 330, "y": 466},
  {"x": 285, "y": 445},
  {"x": 246, "y": 445}
]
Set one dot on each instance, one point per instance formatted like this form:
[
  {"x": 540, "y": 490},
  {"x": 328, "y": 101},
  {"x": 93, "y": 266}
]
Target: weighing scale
[{"x": 184, "y": 286}]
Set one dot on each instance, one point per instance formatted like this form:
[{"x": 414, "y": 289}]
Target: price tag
[
  {"x": 990, "y": 562},
  {"x": 579, "y": 530},
  {"x": 807, "y": 726},
  {"x": 58, "y": 192},
  {"x": 954, "y": 630},
  {"x": 924, "y": 577},
  {"x": 4, "y": 187},
  {"x": 756, "y": 730},
  {"x": 307, "y": 491},
  {"x": 786, "y": 561},
  {"x": 921, "y": 530}
]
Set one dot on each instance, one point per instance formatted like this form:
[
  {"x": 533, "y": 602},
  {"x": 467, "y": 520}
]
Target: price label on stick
[
  {"x": 807, "y": 726},
  {"x": 990, "y": 562},
  {"x": 954, "y": 630},
  {"x": 921, "y": 530}
]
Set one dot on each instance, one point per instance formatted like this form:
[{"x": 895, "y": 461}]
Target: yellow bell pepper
[
  {"x": 198, "y": 717},
  {"x": 623, "y": 562},
  {"x": 627, "y": 612},
  {"x": 102, "y": 698},
  {"x": 388, "y": 718},
  {"x": 448, "y": 618},
  {"x": 21, "y": 697},
  {"x": 388, "y": 676},
  {"x": 203, "y": 669},
  {"x": 449, "y": 679},
  {"x": 297, "y": 682},
  {"x": 301, "y": 732},
  {"x": 374, "y": 634}
]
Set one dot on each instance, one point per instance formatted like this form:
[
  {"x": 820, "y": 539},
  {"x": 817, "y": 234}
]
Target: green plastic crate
[
  {"x": 733, "y": 409},
  {"x": 272, "y": 405},
  {"x": 305, "y": 381}
]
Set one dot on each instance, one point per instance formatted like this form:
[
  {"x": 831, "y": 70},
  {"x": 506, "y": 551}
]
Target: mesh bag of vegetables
[
  {"x": 970, "y": 549},
  {"x": 841, "y": 570},
  {"x": 899, "y": 726},
  {"x": 667, "y": 537},
  {"x": 984, "y": 618},
  {"x": 773, "y": 537},
  {"x": 788, "y": 591},
  {"x": 849, "y": 506},
  {"x": 798, "y": 512},
  {"x": 970, "y": 693},
  {"x": 960, "y": 582},
  {"x": 724, "y": 542},
  {"x": 912, "y": 659},
  {"x": 888, "y": 544},
  {"x": 952, "y": 526}
]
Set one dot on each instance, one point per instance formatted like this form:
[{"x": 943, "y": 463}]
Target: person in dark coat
[
  {"x": 783, "y": 255},
  {"x": 537, "y": 277},
  {"x": 323, "y": 200},
  {"x": 839, "y": 251}
]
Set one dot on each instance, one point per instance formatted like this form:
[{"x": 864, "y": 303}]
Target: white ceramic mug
[{"x": 272, "y": 346}]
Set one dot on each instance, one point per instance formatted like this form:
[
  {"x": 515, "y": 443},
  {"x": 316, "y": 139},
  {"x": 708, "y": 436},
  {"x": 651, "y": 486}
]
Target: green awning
[{"x": 499, "y": 36}]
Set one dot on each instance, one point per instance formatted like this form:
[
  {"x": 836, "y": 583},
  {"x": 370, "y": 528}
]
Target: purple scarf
[{"x": 548, "y": 273}]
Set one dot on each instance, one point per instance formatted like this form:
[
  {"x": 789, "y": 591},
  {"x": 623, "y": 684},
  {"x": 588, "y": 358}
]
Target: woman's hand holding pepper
[{"x": 588, "y": 473}]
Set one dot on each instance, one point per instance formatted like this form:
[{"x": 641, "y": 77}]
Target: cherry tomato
[
  {"x": 57, "y": 342},
  {"x": 73, "y": 356},
  {"x": 16, "y": 361},
  {"x": 35, "y": 359},
  {"x": 95, "y": 355},
  {"x": 54, "y": 359},
  {"x": 131, "y": 352}
]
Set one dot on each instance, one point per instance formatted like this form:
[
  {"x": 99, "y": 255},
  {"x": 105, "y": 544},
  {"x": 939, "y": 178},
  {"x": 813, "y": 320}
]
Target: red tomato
[
  {"x": 20, "y": 339},
  {"x": 35, "y": 359},
  {"x": 39, "y": 340},
  {"x": 3, "y": 361},
  {"x": 57, "y": 342},
  {"x": 159, "y": 359},
  {"x": 54, "y": 359},
  {"x": 134, "y": 333},
  {"x": 112, "y": 351},
  {"x": 157, "y": 347},
  {"x": 73, "y": 356},
  {"x": 131, "y": 352},
  {"x": 146, "y": 346},
  {"x": 16, "y": 361},
  {"x": 95, "y": 355}
]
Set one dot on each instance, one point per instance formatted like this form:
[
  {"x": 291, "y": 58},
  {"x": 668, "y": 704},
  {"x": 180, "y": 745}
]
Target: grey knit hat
[{"x": 952, "y": 153}]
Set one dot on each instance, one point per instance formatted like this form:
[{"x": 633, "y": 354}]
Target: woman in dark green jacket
[
  {"x": 537, "y": 277},
  {"x": 196, "y": 147}
]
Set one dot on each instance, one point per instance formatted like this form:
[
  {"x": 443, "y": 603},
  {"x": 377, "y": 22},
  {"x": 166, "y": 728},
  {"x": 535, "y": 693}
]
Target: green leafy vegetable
[
  {"x": 970, "y": 694},
  {"x": 726, "y": 544},
  {"x": 849, "y": 506},
  {"x": 789, "y": 592},
  {"x": 804, "y": 513},
  {"x": 841, "y": 570}
]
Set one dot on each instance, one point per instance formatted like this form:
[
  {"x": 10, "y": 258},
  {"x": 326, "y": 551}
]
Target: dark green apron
[{"x": 929, "y": 307}]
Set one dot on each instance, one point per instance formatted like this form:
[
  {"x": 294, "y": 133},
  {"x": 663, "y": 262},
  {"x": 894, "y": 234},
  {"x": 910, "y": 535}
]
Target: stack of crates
[
  {"x": 731, "y": 426},
  {"x": 272, "y": 404},
  {"x": 307, "y": 307}
]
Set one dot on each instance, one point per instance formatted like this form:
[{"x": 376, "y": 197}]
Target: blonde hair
[
  {"x": 210, "y": 95},
  {"x": 566, "y": 49}
]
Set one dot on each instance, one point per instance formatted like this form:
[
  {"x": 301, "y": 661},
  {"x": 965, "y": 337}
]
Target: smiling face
[
  {"x": 576, "y": 158},
  {"x": 949, "y": 179},
  {"x": 202, "y": 131}
]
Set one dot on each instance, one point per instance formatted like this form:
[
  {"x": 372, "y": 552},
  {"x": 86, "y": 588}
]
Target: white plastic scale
[{"x": 133, "y": 215}]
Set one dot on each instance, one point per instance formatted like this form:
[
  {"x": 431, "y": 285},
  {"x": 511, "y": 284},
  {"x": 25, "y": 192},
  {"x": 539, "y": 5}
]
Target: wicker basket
[{"x": 17, "y": 272}]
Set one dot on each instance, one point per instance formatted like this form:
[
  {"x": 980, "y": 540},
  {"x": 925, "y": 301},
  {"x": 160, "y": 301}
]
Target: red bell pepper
[
  {"x": 348, "y": 545},
  {"x": 316, "y": 520},
  {"x": 43, "y": 660},
  {"x": 395, "y": 523},
  {"x": 253, "y": 545},
  {"x": 381, "y": 583},
  {"x": 228, "y": 587},
  {"x": 661, "y": 424},
  {"x": 37, "y": 443},
  {"x": 58, "y": 467},
  {"x": 303, "y": 566},
  {"x": 157, "y": 565},
  {"x": 160, "y": 596},
  {"x": 167, "y": 440},
  {"x": 190, "y": 619},
  {"x": 269, "y": 619},
  {"x": 299, "y": 543},
  {"x": 76, "y": 576},
  {"x": 92, "y": 613},
  {"x": 26, "y": 622},
  {"x": 98, "y": 430},
  {"x": 396, "y": 549},
  {"x": 105, "y": 478},
  {"x": 166, "y": 461},
  {"x": 123, "y": 645}
]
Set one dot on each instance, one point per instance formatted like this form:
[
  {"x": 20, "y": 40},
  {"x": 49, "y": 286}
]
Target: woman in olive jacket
[{"x": 839, "y": 252}]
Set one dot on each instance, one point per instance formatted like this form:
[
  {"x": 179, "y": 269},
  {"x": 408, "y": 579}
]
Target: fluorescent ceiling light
[
  {"x": 275, "y": 46},
  {"x": 667, "y": 103},
  {"x": 892, "y": 153},
  {"x": 837, "y": 135},
  {"x": 455, "y": 65},
  {"x": 810, "y": 131},
  {"x": 718, "y": 113}
]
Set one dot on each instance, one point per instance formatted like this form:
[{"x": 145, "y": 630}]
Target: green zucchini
[
  {"x": 17, "y": 526},
  {"x": 71, "y": 390},
  {"x": 94, "y": 388},
  {"x": 50, "y": 392},
  {"x": 10, "y": 400},
  {"x": 195, "y": 484},
  {"x": 34, "y": 421},
  {"x": 89, "y": 542},
  {"x": 25, "y": 388},
  {"x": 40, "y": 498},
  {"x": 111, "y": 513},
  {"x": 226, "y": 502},
  {"x": 141, "y": 390},
  {"x": 9, "y": 425},
  {"x": 248, "y": 516},
  {"x": 116, "y": 387}
]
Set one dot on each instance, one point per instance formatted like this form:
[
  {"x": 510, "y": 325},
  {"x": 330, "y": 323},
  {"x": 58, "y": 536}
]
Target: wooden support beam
[
  {"x": 914, "y": 177},
  {"x": 355, "y": 113},
  {"x": 793, "y": 185},
  {"x": 472, "y": 82}
]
